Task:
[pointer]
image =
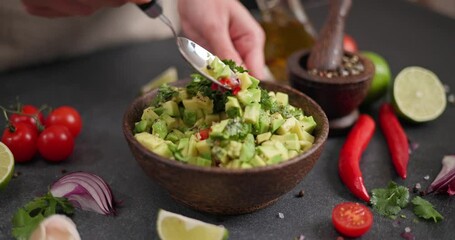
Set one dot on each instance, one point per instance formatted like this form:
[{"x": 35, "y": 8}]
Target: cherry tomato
[
  {"x": 55, "y": 143},
  {"x": 29, "y": 110},
  {"x": 352, "y": 219},
  {"x": 65, "y": 116},
  {"x": 21, "y": 140},
  {"x": 349, "y": 44}
]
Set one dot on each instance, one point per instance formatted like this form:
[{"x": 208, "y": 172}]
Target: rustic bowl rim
[{"x": 319, "y": 143}]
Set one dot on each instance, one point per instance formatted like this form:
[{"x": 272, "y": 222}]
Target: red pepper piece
[
  {"x": 351, "y": 153},
  {"x": 396, "y": 139},
  {"x": 204, "y": 133}
]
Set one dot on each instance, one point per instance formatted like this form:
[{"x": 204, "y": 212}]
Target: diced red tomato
[
  {"x": 352, "y": 219},
  {"x": 204, "y": 133}
]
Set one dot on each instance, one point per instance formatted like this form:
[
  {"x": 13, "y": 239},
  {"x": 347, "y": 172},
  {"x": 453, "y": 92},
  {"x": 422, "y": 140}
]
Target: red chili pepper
[
  {"x": 351, "y": 153},
  {"x": 396, "y": 138},
  {"x": 235, "y": 90}
]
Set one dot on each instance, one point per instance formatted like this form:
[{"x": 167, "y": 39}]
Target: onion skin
[{"x": 86, "y": 191}]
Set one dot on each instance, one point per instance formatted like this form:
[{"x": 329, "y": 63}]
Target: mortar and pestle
[{"x": 337, "y": 80}]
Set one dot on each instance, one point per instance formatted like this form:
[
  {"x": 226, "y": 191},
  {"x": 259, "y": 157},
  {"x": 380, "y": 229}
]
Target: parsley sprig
[{"x": 27, "y": 218}]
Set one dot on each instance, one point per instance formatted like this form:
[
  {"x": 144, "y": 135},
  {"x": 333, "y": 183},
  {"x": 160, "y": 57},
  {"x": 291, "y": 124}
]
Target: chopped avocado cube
[
  {"x": 141, "y": 126},
  {"x": 148, "y": 140},
  {"x": 282, "y": 98},
  {"x": 183, "y": 146},
  {"x": 174, "y": 136},
  {"x": 254, "y": 82},
  {"x": 232, "y": 107},
  {"x": 292, "y": 145},
  {"x": 235, "y": 164},
  {"x": 285, "y": 137},
  {"x": 252, "y": 112},
  {"x": 219, "y": 127},
  {"x": 149, "y": 114},
  {"x": 282, "y": 149},
  {"x": 248, "y": 148},
  {"x": 170, "y": 121},
  {"x": 287, "y": 126},
  {"x": 268, "y": 143},
  {"x": 269, "y": 151},
  {"x": 255, "y": 95},
  {"x": 276, "y": 123},
  {"x": 183, "y": 94},
  {"x": 245, "y": 97},
  {"x": 203, "y": 147},
  {"x": 245, "y": 165},
  {"x": 302, "y": 134},
  {"x": 199, "y": 102},
  {"x": 234, "y": 112},
  {"x": 220, "y": 154},
  {"x": 245, "y": 80},
  {"x": 292, "y": 153},
  {"x": 171, "y": 108},
  {"x": 163, "y": 150},
  {"x": 159, "y": 128},
  {"x": 189, "y": 117},
  {"x": 203, "y": 162},
  {"x": 305, "y": 145},
  {"x": 217, "y": 69},
  {"x": 263, "y": 137},
  {"x": 192, "y": 150},
  {"x": 257, "y": 161},
  {"x": 275, "y": 160},
  {"x": 308, "y": 124},
  {"x": 233, "y": 149},
  {"x": 263, "y": 124}
]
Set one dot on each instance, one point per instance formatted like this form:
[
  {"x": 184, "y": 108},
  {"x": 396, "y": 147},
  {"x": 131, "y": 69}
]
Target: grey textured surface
[{"x": 103, "y": 84}]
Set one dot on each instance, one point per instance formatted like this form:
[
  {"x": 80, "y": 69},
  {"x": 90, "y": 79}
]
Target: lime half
[
  {"x": 6, "y": 165},
  {"x": 418, "y": 94},
  {"x": 172, "y": 226},
  {"x": 168, "y": 76}
]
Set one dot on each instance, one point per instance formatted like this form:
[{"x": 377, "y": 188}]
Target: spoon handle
[
  {"x": 328, "y": 49},
  {"x": 153, "y": 8}
]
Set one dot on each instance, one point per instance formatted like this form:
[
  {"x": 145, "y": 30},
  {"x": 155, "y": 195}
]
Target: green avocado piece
[
  {"x": 257, "y": 161},
  {"x": 308, "y": 124},
  {"x": 148, "y": 140},
  {"x": 245, "y": 80},
  {"x": 248, "y": 148},
  {"x": 282, "y": 98},
  {"x": 252, "y": 112},
  {"x": 163, "y": 150},
  {"x": 141, "y": 126},
  {"x": 171, "y": 108},
  {"x": 287, "y": 126},
  {"x": 263, "y": 137},
  {"x": 149, "y": 114},
  {"x": 159, "y": 128},
  {"x": 203, "y": 147}
]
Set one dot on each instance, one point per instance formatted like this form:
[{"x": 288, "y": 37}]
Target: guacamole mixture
[{"x": 206, "y": 125}]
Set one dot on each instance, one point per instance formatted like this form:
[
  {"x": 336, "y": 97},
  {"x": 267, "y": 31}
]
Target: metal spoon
[{"x": 197, "y": 56}]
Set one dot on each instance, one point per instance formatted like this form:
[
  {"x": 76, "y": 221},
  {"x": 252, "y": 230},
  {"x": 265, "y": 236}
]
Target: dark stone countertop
[{"x": 101, "y": 85}]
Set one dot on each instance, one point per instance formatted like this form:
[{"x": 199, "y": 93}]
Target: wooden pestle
[{"x": 328, "y": 49}]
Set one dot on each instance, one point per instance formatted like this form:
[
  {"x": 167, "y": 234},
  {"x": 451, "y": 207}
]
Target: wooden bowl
[
  {"x": 338, "y": 96},
  {"x": 227, "y": 191}
]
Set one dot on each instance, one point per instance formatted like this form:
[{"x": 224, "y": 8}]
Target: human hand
[
  {"x": 227, "y": 29},
  {"x": 67, "y": 8}
]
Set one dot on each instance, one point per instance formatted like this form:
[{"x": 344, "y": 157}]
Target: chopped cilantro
[
  {"x": 165, "y": 93},
  {"x": 27, "y": 218},
  {"x": 200, "y": 84},
  {"x": 233, "y": 66},
  {"x": 424, "y": 209},
  {"x": 389, "y": 201},
  {"x": 266, "y": 101}
]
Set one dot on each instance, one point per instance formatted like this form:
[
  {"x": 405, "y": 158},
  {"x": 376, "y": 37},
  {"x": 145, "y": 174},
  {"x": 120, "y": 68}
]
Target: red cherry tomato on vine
[
  {"x": 55, "y": 143},
  {"x": 349, "y": 44},
  {"x": 65, "y": 116},
  {"x": 21, "y": 139},
  {"x": 352, "y": 219},
  {"x": 29, "y": 110}
]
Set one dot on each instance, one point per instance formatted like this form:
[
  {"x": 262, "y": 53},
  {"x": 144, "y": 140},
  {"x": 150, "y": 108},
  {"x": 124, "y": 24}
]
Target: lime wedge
[
  {"x": 169, "y": 75},
  {"x": 6, "y": 165},
  {"x": 172, "y": 226},
  {"x": 418, "y": 94}
]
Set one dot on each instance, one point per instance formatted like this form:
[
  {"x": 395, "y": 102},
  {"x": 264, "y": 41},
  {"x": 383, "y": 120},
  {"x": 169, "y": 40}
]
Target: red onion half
[
  {"x": 86, "y": 191},
  {"x": 445, "y": 181}
]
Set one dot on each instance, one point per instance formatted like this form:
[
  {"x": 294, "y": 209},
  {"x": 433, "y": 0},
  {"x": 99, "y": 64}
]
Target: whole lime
[{"x": 381, "y": 80}]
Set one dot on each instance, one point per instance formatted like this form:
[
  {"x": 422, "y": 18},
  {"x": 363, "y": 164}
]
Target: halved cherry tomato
[
  {"x": 65, "y": 116},
  {"x": 21, "y": 139},
  {"x": 29, "y": 110},
  {"x": 352, "y": 219},
  {"x": 349, "y": 44}
]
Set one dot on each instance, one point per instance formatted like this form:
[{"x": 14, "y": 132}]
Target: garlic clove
[{"x": 56, "y": 227}]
